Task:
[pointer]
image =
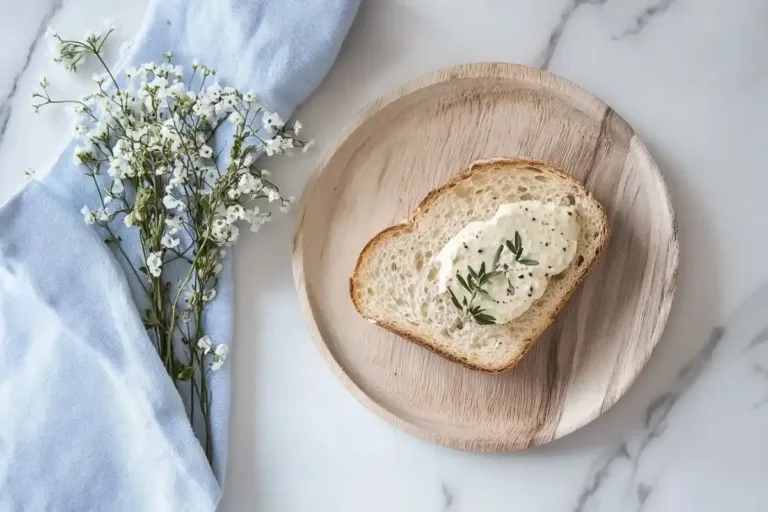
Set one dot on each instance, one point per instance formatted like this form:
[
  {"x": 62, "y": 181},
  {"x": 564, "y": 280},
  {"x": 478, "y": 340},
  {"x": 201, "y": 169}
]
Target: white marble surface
[{"x": 691, "y": 435}]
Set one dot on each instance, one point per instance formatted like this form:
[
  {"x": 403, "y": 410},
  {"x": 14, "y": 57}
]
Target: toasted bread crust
[{"x": 477, "y": 167}]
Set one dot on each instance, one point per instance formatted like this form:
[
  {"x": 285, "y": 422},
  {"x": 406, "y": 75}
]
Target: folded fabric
[{"x": 89, "y": 419}]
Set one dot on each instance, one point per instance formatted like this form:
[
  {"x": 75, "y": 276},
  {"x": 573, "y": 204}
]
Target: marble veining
[
  {"x": 656, "y": 415},
  {"x": 6, "y": 106},
  {"x": 644, "y": 18},
  {"x": 640, "y": 21}
]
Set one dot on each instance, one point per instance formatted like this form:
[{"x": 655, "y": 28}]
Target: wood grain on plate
[{"x": 411, "y": 141}]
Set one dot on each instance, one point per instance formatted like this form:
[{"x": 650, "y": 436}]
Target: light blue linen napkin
[{"x": 89, "y": 419}]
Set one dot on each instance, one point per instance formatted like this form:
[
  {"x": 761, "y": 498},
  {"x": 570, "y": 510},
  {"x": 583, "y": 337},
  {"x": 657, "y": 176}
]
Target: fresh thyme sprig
[
  {"x": 517, "y": 249},
  {"x": 475, "y": 281}
]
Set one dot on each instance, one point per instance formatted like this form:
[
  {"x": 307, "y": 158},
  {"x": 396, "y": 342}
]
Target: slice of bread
[{"x": 395, "y": 281}]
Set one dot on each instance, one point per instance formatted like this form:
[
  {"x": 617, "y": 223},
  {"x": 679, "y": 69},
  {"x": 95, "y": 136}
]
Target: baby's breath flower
[
  {"x": 88, "y": 215},
  {"x": 285, "y": 204},
  {"x": 173, "y": 224},
  {"x": 117, "y": 187},
  {"x": 204, "y": 344},
  {"x": 152, "y": 136},
  {"x": 173, "y": 203},
  {"x": 272, "y": 121},
  {"x": 272, "y": 194},
  {"x": 236, "y": 119},
  {"x": 100, "y": 78},
  {"x": 101, "y": 215},
  {"x": 155, "y": 263},
  {"x": 250, "y": 97},
  {"x": 219, "y": 356},
  {"x": 308, "y": 145},
  {"x": 81, "y": 155},
  {"x": 234, "y": 213},
  {"x": 169, "y": 242},
  {"x": 206, "y": 151}
]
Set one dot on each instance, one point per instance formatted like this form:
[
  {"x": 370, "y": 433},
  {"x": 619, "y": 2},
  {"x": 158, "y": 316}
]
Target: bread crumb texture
[{"x": 395, "y": 283}]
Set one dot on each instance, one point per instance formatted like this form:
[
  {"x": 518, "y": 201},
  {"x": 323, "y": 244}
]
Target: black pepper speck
[{"x": 521, "y": 276}]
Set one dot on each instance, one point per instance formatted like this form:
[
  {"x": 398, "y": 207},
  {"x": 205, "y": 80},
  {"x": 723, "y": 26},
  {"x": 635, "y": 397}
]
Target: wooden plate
[{"x": 416, "y": 138}]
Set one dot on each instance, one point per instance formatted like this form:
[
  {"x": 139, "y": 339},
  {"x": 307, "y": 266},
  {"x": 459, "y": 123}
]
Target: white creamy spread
[{"x": 539, "y": 241}]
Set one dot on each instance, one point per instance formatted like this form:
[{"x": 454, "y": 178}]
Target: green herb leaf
[
  {"x": 492, "y": 274},
  {"x": 529, "y": 262},
  {"x": 471, "y": 282},
  {"x": 518, "y": 242},
  {"x": 484, "y": 319},
  {"x": 186, "y": 373},
  {"x": 462, "y": 282},
  {"x": 482, "y": 270},
  {"x": 454, "y": 299},
  {"x": 472, "y": 272},
  {"x": 511, "y": 289},
  {"x": 497, "y": 256},
  {"x": 511, "y": 247}
]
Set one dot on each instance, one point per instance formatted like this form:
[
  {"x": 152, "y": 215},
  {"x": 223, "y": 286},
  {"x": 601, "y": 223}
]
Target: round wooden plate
[{"x": 414, "y": 139}]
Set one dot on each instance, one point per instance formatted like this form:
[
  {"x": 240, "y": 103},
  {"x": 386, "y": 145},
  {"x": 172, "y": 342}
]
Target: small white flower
[
  {"x": 108, "y": 199},
  {"x": 272, "y": 194},
  {"x": 173, "y": 224},
  {"x": 195, "y": 63},
  {"x": 128, "y": 220},
  {"x": 297, "y": 126},
  {"x": 234, "y": 213},
  {"x": 100, "y": 78},
  {"x": 272, "y": 121},
  {"x": 250, "y": 97},
  {"x": 101, "y": 215},
  {"x": 169, "y": 242},
  {"x": 214, "y": 92},
  {"x": 206, "y": 151},
  {"x": 80, "y": 155},
  {"x": 209, "y": 295},
  {"x": 172, "y": 203},
  {"x": 204, "y": 344},
  {"x": 256, "y": 219},
  {"x": 217, "y": 269},
  {"x": 117, "y": 187},
  {"x": 308, "y": 145},
  {"x": 88, "y": 215},
  {"x": 155, "y": 263},
  {"x": 219, "y": 356},
  {"x": 236, "y": 119},
  {"x": 285, "y": 204}
]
